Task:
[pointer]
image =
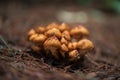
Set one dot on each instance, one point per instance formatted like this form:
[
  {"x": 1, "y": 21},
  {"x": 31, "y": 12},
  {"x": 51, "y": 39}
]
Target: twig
[
  {"x": 5, "y": 43},
  {"x": 9, "y": 48},
  {"x": 91, "y": 60}
]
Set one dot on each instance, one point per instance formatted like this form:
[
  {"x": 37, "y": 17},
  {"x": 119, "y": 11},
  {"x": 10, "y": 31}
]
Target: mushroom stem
[
  {"x": 54, "y": 53},
  {"x": 63, "y": 54}
]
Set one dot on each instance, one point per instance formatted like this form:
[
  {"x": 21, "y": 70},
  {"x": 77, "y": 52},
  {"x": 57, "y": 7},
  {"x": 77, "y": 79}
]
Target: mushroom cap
[
  {"x": 31, "y": 32},
  {"x": 52, "y": 42},
  {"x": 85, "y": 44},
  {"x": 31, "y": 38},
  {"x": 74, "y": 55},
  {"x": 53, "y": 32},
  {"x": 72, "y": 45},
  {"x": 39, "y": 39},
  {"x": 63, "y": 27},
  {"x": 66, "y": 35},
  {"x": 52, "y": 25},
  {"x": 63, "y": 41},
  {"x": 36, "y": 48},
  {"x": 79, "y": 31},
  {"x": 40, "y": 29}
]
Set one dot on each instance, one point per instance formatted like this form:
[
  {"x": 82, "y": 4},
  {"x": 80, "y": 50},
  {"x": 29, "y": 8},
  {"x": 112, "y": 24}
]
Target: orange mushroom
[
  {"x": 63, "y": 27},
  {"x": 52, "y": 44},
  {"x": 79, "y": 32},
  {"x": 53, "y": 32},
  {"x": 61, "y": 40},
  {"x": 74, "y": 55}
]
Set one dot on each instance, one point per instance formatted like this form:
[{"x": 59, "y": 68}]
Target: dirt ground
[{"x": 20, "y": 63}]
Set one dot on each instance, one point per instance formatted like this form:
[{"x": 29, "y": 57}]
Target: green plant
[
  {"x": 84, "y": 2},
  {"x": 112, "y": 4}
]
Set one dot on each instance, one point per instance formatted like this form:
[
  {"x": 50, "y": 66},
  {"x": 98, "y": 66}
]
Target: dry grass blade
[
  {"x": 4, "y": 42},
  {"x": 10, "y": 51}
]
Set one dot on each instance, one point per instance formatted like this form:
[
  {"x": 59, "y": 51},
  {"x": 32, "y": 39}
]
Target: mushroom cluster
[{"x": 61, "y": 41}]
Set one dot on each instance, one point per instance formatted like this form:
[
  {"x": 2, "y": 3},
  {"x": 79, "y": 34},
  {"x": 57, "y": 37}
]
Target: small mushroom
[
  {"x": 63, "y": 27},
  {"x": 31, "y": 38},
  {"x": 66, "y": 35},
  {"x": 74, "y": 55},
  {"x": 52, "y": 44},
  {"x": 63, "y": 41},
  {"x": 53, "y": 32},
  {"x": 40, "y": 30},
  {"x": 64, "y": 49},
  {"x": 39, "y": 39},
  {"x": 31, "y": 32},
  {"x": 79, "y": 32},
  {"x": 72, "y": 45},
  {"x": 85, "y": 46},
  {"x": 52, "y": 25}
]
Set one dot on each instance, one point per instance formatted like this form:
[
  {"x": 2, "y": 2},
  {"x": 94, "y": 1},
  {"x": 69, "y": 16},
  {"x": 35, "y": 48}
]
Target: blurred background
[{"x": 101, "y": 17}]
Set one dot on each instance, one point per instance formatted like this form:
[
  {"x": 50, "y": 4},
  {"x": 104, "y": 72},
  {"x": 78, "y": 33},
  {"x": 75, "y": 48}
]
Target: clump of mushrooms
[{"x": 61, "y": 40}]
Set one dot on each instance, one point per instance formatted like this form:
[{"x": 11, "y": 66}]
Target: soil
[{"x": 18, "y": 62}]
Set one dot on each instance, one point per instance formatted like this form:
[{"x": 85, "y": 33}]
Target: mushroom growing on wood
[
  {"x": 64, "y": 49},
  {"x": 52, "y": 44},
  {"x": 40, "y": 30},
  {"x": 74, "y": 55},
  {"x": 79, "y": 32},
  {"x": 66, "y": 35},
  {"x": 85, "y": 45},
  {"x": 53, "y": 32},
  {"x": 52, "y": 25},
  {"x": 31, "y": 32},
  {"x": 39, "y": 39},
  {"x": 61, "y": 41},
  {"x": 63, "y": 27},
  {"x": 32, "y": 37},
  {"x": 72, "y": 45}
]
